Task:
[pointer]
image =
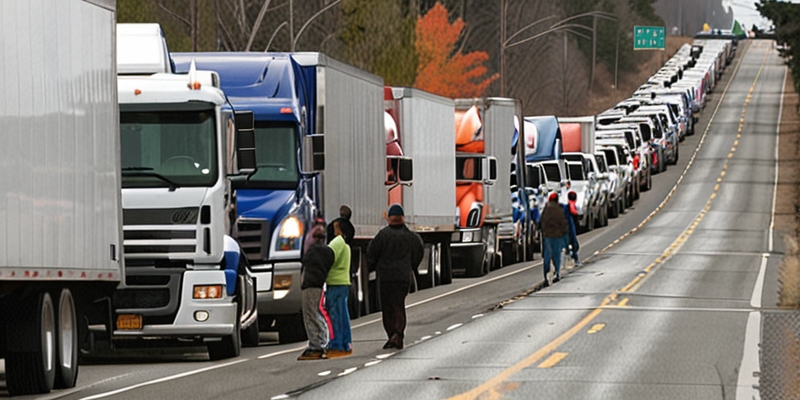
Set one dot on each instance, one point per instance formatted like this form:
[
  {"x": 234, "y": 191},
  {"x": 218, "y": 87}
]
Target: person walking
[
  {"x": 554, "y": 231},
  {"x": 336, "y": 294},
  {"x": 572, "y": 220},
  {"x": 315, "y": 265},
  {"x": 395, "y": 254}
]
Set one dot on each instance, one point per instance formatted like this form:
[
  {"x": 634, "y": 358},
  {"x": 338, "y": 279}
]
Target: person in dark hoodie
[
  {"x": 395, "y": 254},
  {"x": 316, "y": 263},
  {"x": 555, "y": 228}
]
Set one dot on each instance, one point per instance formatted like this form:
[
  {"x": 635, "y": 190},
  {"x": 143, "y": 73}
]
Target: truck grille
[
  {"x": 160, "y": 233},
  {"x": 141, "y": 298},
  {"x": 253, "y": 235},
  {"x": 150, "y": 291}
]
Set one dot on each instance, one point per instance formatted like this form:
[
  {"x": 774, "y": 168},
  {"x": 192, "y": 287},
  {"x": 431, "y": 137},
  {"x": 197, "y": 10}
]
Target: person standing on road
[
  {"x": 554, "y": 231},
  {"x": 316, "y": 264},
  {"x": 572, "y": 220},
  {"x": 349, "y": 231},
  {"x": 336, "y": 294},
  {"x": 395, "y": 254}
]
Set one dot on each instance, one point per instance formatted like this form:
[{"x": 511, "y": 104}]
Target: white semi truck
[
  {"x": 60, "y": 218},
  {"x": 181, "y": 145}
]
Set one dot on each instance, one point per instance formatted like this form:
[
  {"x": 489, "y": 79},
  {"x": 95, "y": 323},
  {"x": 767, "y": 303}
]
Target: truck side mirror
[
  {"x": 490, "y": 165},
  {"x": 405, "y": 171},
  {"x": 245, "y": 142},
  {"x": 313, "y": 153}
]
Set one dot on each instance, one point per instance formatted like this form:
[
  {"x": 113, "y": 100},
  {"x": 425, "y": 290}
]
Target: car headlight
[{"x": 290, "y": 234}]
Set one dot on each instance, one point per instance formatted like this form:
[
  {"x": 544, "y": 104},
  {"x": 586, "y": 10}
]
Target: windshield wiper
[
  {"x": 137, "y": 168},
  {"x": 146, "y": 171}
]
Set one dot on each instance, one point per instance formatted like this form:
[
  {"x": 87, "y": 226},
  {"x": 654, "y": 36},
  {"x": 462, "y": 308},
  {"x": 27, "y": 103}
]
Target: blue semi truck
[{"x": 320, "y": 140}]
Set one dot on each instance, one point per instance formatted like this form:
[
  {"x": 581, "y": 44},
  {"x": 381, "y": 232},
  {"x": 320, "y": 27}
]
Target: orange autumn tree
[{"x": 442, "y": 69}]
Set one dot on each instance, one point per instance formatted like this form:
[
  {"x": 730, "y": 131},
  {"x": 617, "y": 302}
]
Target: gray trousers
[{"x": 314, "y": 318}]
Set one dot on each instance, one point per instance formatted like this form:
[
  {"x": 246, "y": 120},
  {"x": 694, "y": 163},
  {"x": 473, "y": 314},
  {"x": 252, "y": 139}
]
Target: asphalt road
[{"x": 664, "y": 306}]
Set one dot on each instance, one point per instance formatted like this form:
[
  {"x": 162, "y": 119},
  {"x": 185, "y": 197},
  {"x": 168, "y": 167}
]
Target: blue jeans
[
  {"x": 552, "y": 251},
  {"x": 336, "y": 303}
]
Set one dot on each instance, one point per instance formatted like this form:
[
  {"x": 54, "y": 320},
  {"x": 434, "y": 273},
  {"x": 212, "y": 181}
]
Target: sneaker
[
  {"x": 323, "y": 354},
  {"x": 556, "y": 278},
  {"x": 310, "y": 355}
]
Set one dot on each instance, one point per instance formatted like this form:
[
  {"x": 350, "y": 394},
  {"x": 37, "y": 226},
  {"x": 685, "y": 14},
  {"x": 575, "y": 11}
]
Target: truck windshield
[
  {"x": 276, "y": 156},
  {"x": 168, "y": 147}
]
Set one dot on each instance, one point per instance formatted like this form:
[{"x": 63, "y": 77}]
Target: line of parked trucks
[{"x": 157, "y": 196}]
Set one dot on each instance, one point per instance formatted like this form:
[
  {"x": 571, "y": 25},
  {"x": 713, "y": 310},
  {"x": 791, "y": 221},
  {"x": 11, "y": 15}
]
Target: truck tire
[
  {"x": 230, "y": 346},
  {"x": 67, "y": 340},
  {"x": 648, "y": 184},
  {"x": 446, "y": 257},
  {"x": 613, "y": 209},
  {"x": 31, "y": 356},
  {"x": 291, "y": 329},
  {"x": 250, "y": 336}
]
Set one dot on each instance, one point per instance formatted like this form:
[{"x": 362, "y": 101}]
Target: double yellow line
[{"x": 497, "y": 386}]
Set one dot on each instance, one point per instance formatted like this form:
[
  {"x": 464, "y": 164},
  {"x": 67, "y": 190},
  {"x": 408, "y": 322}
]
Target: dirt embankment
[{"x": 787, "y": 205}]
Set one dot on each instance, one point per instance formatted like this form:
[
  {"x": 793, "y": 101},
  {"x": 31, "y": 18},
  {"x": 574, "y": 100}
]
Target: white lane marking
[
  {"x": 371, "y": 363},
  {"x": 280, "y": 397},
  {"x": 451, "y": 327},
  {"x": 324, "y": 373},
  {"x": 348, "y": 371},
  {"x": 278, "y": 353},
  {"x": 747, "y": 383},
  {"x": 164, "y": 379}
]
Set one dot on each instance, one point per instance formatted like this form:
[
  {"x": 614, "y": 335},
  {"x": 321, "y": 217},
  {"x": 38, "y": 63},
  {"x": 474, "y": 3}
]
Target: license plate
[{"x": 129, "y": 322}]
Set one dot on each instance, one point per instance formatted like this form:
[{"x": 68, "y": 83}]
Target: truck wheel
[
  {"x": 67, "y": 339},
  {"x": 250, "y": 337},
  {"x": 230, "y": 346},
  {"x": 446, "y": 259},
  {"x": 31, "y": 352},
  {"x": 291, "y": 329}
]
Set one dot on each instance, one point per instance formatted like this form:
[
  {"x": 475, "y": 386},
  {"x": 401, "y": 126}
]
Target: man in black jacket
[
  {"x": 316, "y": 263},
  {"x": 395, "y": 253}
]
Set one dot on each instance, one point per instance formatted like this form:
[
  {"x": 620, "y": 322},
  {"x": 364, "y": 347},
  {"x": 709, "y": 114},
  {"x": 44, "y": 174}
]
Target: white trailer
[
  {"x": 60, "y": 218},
  {"x": 425, "y": 130}
]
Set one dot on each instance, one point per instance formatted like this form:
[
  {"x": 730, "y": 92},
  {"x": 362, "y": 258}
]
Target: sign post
[{"x": 648, "y": 38}]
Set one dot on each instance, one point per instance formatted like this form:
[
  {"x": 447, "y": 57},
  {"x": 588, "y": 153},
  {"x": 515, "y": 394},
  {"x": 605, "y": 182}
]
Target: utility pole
[
  {"x": 594, "y": 52},
  {"x": 502, "y": 48}
]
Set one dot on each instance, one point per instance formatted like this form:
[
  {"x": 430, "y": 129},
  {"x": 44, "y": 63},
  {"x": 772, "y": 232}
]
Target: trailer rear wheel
[
  {"x": 67, "y": 334},
  {"x": 31, "y": 355}
]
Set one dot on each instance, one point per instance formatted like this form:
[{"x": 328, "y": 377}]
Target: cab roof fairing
[{"x": 265, "y": 83}]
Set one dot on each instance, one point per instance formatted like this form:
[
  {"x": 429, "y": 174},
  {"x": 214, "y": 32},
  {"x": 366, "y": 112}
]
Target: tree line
[
  {"x": 785, "y": 16},
  {"x": 448, "y": 47}
]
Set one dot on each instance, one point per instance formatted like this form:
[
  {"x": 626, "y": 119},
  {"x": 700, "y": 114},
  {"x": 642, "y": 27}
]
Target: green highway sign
[{"x": 648, "y": 37}]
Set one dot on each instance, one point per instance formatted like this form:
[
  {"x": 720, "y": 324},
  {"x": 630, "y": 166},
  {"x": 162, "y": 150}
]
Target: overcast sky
[{"x": 745, "y": 12}]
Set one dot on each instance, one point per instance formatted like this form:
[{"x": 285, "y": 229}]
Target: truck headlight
[{"x": 290, "y": 234}]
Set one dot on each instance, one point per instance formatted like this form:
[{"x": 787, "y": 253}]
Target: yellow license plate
[{"x": 129, "y": 321}]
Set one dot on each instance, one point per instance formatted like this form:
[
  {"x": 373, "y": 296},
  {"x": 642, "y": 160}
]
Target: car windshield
[
  {"x": 611, "y": 157},
  {"x": 172, "y": 146},
  {"x": 552, "y": 172},
  {"x": 576, "y": 171}
]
